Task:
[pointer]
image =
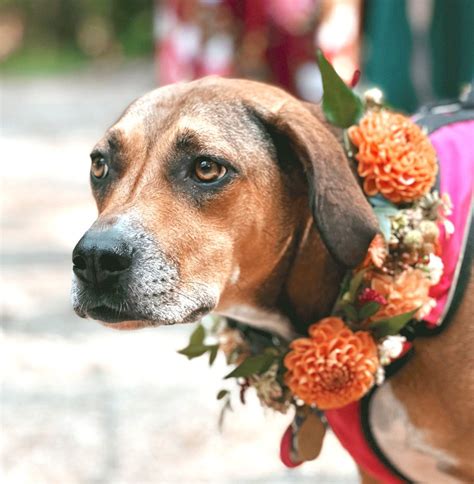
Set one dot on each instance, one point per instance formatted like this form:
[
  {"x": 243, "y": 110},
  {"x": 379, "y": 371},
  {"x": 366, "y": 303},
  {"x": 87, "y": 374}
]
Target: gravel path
[{"x": 81, "y": 403}]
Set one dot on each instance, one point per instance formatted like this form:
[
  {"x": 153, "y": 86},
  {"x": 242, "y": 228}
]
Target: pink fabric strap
[{"x": 454, "y": 146}]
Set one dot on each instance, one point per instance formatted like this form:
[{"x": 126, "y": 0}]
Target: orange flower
[
  {"x": 333, "y": 367},
  {"x": 377, "y": 252},
  {"x": 403, "y": 292},
  {"x": 395, "y": 157}
]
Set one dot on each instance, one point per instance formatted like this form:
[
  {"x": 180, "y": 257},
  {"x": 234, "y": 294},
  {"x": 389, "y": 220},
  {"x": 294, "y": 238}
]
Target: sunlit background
[{"x": 84, "y": 404}]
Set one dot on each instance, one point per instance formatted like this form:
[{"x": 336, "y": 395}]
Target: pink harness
[{"x": 454, "y": 147}]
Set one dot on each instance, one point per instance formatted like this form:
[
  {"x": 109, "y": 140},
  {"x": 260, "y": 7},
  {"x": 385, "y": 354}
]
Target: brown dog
[{"x": 232, "y": 196}]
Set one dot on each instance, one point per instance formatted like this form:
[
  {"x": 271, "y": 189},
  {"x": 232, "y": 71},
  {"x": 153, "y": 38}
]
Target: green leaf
[
  {"x": 197, "y": 336},
  {"x": 368, "y": 309},
  {"x": 222, "y": 394},
  {"x": 390, "y": 326},
  {"x": 213, "y": 353},
  {"x": 253, "y": 365},
  {"x": 350, "y": 312},
  {"x": 355, "y": 283},
  {"x": 345, "y": 283},
  {"x": 266, "y": 365},
  {"x": 341, "y": 106},
  {"x": 193, "y": 351}
]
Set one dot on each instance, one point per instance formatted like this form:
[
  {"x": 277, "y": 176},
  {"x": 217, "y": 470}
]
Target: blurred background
[{"x": 84, "y": 404}]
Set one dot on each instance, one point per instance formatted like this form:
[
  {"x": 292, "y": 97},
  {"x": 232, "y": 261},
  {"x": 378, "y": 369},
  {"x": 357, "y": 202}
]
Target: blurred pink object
[{"x": 268, "y": 40}]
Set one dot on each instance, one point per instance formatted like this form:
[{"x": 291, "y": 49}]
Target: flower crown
[{"x": 344, "y": 355}]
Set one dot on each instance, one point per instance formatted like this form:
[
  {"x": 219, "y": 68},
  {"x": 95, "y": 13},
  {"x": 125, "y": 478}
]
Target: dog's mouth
[
  {"x": 119, "y": 319},
  {"x": 111, "y": 315}
]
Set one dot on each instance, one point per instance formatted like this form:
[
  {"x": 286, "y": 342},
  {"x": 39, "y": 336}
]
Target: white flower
[
  {"x": 426, "y": 308},
  {"x": 379, "y": 375},
  {"x": 449, "y": 227},
  {"x": 390, "y": 348},
  {"x": 435, "y": 269}
]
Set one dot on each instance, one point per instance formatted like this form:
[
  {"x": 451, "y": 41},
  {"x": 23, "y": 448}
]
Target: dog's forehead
[{"x": 216, "y": 109}]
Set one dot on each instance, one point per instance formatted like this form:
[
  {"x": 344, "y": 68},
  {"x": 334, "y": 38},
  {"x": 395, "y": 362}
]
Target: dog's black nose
[{"x": 101, "y": 256}]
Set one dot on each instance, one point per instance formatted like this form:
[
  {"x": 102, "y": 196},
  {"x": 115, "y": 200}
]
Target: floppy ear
[{"x": 342, "y": 214}]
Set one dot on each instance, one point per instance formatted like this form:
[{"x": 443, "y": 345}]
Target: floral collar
[{"x": 344, "y": 354}]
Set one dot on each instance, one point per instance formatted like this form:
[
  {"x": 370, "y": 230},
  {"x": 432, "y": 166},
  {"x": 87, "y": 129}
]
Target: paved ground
[{"x": 80, "y": 403}]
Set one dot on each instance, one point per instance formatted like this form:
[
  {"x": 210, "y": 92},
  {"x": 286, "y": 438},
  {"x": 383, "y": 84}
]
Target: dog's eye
[
  {"x": 208, "y": 171},
  {"x": 99, "y": 168}
]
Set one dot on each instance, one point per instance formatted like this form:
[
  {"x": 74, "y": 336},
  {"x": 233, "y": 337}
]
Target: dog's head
[{"x": 200, "y": 188}]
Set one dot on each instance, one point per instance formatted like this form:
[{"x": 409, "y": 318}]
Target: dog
[{"x": 233, "y": 197}]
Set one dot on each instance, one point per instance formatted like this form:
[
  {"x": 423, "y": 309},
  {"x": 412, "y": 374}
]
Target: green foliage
[
  {"x": 349, "y": 289},
  {"x": 393, "y": 325},
  {"x": 350, "y": 312},
  {"x": 222, "y": 394},
  {"x": 54, "y": 32},
  {"x": 213, "y": 350},
  {"x": 354, "y": 285},
  {"x": 368, "y": 310},
  {"x": 43, "y": 60},
  {"x": 341, "y": 106},
  {"x": 197, "y": 336},
  {"x": 196, "y": 346},
  {"x": 254, "y": 365}
]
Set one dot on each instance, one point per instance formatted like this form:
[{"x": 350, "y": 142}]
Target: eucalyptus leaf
[
  {"x": 252, "y": 365},
  {"x": 222, "y": 394},
  {"x": 391, "y": 326},
  {"x": 197, "y": 336},
  {"x": 351, "y": 312},
  {"x": 213, "y": 353},
  {"x": 355, "y": 283},
  {"x": 266, "y": 366},
  {"x": 345, "y": 283},
  {"x": 193, "y": 351},
  {"x": 341, "y": 106},
  {"x": 368, "y": 309}
]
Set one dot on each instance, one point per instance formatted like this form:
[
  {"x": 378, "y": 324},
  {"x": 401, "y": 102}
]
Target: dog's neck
[
  {"x": 312, "y": 282},
  {"x": 302, "y": 289}
]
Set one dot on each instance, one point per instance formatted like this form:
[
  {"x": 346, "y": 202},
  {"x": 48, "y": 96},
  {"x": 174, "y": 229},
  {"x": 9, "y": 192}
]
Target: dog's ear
[{"x": 342, "y": 214}]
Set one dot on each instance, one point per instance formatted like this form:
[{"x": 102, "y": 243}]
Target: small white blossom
[
  {"x": 379, "y": 375},
  {"x": 435, "y": 269},
  {"x": 426, "y": 308},
  {"x": 449, "y": 227},
  {"x": 390, "y": 348}
]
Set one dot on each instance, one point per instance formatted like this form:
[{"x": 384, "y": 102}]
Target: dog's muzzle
[{"x": 121, "y": 275}]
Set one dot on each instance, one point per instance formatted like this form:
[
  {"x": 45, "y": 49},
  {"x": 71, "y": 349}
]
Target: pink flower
[{"x": 368, "y": 295}]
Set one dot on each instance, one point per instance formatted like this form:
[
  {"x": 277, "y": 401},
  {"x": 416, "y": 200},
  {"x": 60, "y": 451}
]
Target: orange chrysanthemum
[
  {"x": 333, "y": 367},
  {"x": 403, "y": 292},
  {"x": 395, "y": 156}
]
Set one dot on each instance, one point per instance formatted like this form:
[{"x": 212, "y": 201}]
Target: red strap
[
  {"x": 346, "y": 423},
  {"x": 285, "y": 449}
]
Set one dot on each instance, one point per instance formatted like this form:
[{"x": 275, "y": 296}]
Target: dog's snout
[{"x": 101, "y": 256}]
